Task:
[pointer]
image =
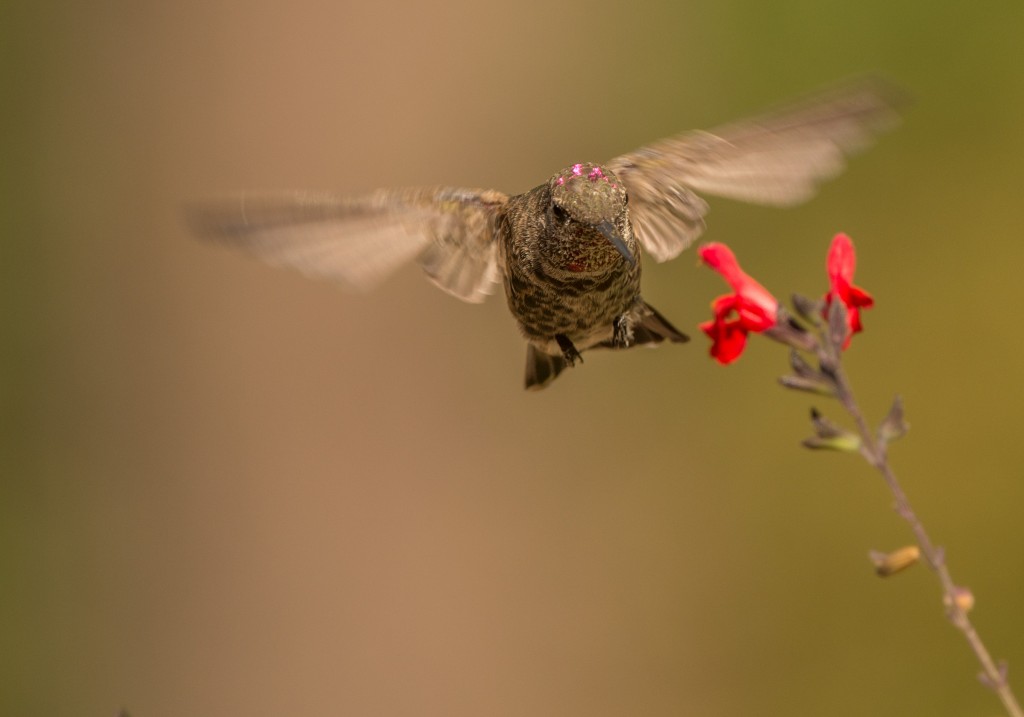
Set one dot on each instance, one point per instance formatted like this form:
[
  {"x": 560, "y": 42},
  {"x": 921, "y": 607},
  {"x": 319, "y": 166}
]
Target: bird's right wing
[
  {"x": 779, "y": 158},
  {"x": 359, "y": 240}
]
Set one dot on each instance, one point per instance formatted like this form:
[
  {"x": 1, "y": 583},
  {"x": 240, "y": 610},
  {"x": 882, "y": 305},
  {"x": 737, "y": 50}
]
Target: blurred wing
[
  {"x": 779, "y": 158},
  {"x": 360, "y": 240}
]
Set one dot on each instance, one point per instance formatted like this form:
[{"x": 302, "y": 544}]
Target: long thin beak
[{"x": 611, "y": 233}]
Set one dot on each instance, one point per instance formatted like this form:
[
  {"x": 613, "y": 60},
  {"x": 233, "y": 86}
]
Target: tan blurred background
[{"x": 228, "y": 490}]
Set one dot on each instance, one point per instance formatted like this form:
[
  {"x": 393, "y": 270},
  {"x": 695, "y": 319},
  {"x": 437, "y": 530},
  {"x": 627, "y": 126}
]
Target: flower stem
[{"x": 874, "y": 451}]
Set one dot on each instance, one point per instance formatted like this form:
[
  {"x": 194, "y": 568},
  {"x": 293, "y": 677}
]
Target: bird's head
[{"x": 588, "y": 211}]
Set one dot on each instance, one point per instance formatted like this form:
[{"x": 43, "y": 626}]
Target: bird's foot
[
  {"x": 569, "y": 352},
  {"x": 622, "y": 334}
]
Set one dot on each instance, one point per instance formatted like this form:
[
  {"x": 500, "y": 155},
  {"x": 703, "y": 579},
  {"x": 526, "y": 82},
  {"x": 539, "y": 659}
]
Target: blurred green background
[{"x": 229, "y": 490}]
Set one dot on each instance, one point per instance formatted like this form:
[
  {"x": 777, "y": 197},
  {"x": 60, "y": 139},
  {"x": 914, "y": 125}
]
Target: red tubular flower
[
  {"x": 842, "y": 260},
  {"x": 755, "y": 308}
]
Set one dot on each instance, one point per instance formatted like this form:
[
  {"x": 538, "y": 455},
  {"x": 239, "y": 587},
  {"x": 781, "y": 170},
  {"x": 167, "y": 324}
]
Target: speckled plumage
[
  {"x": 568, "y": 251},
  {"x": 567, "y": 285}
]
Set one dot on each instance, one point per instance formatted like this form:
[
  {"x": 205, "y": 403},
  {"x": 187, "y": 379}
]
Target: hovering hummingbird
[{"x": 568, "y": 250}]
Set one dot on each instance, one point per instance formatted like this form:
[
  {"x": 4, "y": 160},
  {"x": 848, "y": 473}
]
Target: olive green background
[{"x": 228, "y": 490}]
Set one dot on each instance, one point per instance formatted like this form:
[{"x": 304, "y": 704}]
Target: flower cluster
[
  {"x": 815, "y": 357},
  {"x": 752, "y": 308}
]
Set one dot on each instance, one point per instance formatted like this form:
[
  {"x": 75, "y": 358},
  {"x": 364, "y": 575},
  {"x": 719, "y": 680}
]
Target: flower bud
[
  {"x": 893, "y": 426},
  {"x": 887, "y": 564},
  {"x": 831, "y": 436},
  {"x": 962, "y": 597}
]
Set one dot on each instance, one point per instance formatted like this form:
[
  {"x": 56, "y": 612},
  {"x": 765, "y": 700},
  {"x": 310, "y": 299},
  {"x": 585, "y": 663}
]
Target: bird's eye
[{"x": 558, "y": 213}]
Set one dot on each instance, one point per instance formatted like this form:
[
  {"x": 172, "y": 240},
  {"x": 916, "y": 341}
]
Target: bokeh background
[{"x": 229, "y": 490}]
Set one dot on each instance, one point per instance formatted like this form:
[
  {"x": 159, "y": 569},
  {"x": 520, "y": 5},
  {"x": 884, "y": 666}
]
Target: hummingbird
[{"x": 568, "y": 251}]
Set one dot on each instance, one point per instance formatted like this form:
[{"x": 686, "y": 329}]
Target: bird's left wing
[{"x": 359, "y": 240}]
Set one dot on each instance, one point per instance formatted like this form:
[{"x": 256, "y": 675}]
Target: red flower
[
  {"x": 756, "y": 309},
  {"x": 842, "y": 260}
]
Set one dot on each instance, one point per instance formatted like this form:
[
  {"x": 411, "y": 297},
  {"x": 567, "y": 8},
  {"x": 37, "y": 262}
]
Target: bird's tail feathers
[{"x": 541, "y": 368}]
